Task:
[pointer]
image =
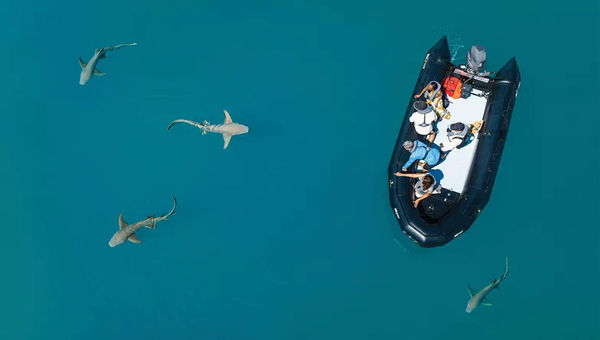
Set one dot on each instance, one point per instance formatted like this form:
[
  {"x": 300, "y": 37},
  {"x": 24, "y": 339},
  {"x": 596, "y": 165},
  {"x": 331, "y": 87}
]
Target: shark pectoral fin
[
  {"x": 122, "y": 223},
  {"x": 133, "y": 239},
  {"x": 227, "y": 118},
  {"x": 97, "y": 72},
  {"x": 82, "y": 63},
  {"x": 471, "y": 291},
  {"x": 226, "y": 139},
  {"x": 486, "y": 302}
]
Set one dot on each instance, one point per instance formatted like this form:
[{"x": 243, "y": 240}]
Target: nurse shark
[
  {"x": 479, "y": 298},
  {"x": 227, "y": 129},
  {"x": 127, "y": 231},
  {"x": 89, "y": 69}
]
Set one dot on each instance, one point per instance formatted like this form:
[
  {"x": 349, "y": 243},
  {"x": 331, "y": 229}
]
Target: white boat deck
[{"x": 455, "y": 168}]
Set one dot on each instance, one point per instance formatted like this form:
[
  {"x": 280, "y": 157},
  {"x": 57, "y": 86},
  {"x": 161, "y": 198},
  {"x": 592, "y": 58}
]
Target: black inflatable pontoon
[{"x": 468, "y": 173}]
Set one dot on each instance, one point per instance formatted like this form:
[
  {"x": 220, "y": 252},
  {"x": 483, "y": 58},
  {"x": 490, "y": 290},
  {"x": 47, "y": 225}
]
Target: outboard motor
[{"x": 476, "y": 58}]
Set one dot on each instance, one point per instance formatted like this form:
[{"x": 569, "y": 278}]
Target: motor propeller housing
[{"x": 476, "y": 58}]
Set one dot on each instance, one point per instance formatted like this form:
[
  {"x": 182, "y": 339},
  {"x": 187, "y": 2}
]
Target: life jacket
[
  {"x": 453, "y": 87},
  {"x": 424, "y": 123},
  {"x": 431, "y": 96}
]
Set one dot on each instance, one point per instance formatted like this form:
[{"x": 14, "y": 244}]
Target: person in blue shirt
[{"x": 420, "y": 151}]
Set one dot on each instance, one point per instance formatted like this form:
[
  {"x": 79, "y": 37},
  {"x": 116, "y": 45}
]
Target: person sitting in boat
[
  {"x": 434, "y": 97},
  {"x": 419, "y": 151},
  {"x": 424, "y": 187},
  {"x": 423, "y": 119},
  {"x": 431, "y": 91},
  {"x": 456, "y": 134},
  {"x": 459, "y": 134}
]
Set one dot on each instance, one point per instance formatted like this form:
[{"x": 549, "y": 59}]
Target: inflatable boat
[{"x": 465, "y": 174}]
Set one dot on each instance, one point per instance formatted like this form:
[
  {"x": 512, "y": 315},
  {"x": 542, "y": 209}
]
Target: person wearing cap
[
  {"x": 459, "y": 133},
  {"x": 456, "y": 134},
  {"x": 423, "y": 119},
  {"x": 419, "y": 151}
]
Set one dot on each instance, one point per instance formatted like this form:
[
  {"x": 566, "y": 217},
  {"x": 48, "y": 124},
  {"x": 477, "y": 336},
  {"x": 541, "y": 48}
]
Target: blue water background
[{"x": 288, "y": 233}]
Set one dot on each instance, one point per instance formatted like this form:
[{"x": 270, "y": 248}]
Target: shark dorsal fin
[
  {"x": 122, "y": 223},
  {"x": 226, "y": 139},
  {"x": 227, "y": 118},
  {"x": 471, "y": 291},
  {"x": 82, "y": 63},
  {"x": 133, "y": 239}
]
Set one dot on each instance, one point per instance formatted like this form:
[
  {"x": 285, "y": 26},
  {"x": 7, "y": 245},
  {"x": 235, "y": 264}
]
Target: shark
[
  {"x": 479, "y": 298},
  {"x": 127, "y": 231},
  {"x": 89, "y": 69},
  {"x": 227, "y": 129}
]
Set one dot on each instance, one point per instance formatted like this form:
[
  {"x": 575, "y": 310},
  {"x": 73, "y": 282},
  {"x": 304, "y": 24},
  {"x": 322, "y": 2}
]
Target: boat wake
[{"x": 456, "y": 45}]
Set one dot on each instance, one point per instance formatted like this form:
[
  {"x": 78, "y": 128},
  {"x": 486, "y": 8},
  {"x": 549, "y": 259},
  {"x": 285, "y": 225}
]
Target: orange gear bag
[{"x": 453, "y": 87}]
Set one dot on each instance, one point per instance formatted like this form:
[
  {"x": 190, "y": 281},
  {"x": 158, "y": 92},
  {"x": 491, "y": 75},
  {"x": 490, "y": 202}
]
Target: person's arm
[
  {"x": 409, "y": 162},
  {"x": 422, "y": 91},
  {"x": 411, "y": 175},
  {"x": 416, "y": 202}
]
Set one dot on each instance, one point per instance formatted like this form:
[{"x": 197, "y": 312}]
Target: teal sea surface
[{"x": 288, "y": 233}]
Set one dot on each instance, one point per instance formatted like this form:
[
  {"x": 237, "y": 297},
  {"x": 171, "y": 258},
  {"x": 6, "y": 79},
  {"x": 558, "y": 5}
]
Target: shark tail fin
[
  {"x": 191, "y": 122},
  {"x": 172, "y": 212},
  {"x": 133, "y": 239},
  {"x": 505, "y": 272},
  {"x": 169, "y": 214}
]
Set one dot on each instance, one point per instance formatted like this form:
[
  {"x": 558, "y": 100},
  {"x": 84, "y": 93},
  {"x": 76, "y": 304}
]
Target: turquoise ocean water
[{"x": 288, "y": 233}]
